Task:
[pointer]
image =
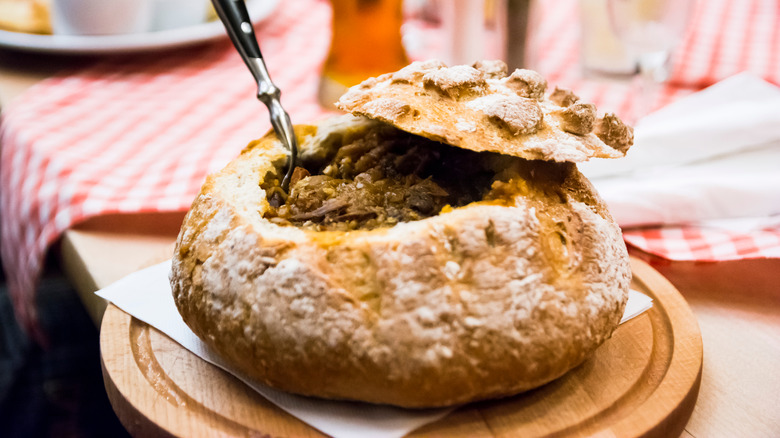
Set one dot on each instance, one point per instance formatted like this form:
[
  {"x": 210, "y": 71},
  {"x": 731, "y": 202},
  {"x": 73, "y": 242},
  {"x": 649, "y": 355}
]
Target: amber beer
[{"x": 366, "y": 42}]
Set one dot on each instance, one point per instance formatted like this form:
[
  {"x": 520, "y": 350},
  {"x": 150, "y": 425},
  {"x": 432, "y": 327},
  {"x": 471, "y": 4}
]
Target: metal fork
[{"x": 235, "y": 17}]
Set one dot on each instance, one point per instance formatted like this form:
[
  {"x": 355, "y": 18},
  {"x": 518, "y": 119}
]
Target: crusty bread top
[{"x": 481, "y": 108}]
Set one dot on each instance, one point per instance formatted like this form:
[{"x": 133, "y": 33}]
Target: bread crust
[
  {"x": 483, "y": 301},
  {"x": 482, "y": 108}
]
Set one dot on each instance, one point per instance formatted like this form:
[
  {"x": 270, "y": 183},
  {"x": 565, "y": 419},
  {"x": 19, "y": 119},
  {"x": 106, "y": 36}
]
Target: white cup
[
  {"x": 172, "y": 14},
  {"x": 101, "y": 17}
]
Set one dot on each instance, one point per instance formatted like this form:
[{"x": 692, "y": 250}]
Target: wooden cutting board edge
[
  {"x": 663, "y": 413},
  {"x": 686, "y": 362}
]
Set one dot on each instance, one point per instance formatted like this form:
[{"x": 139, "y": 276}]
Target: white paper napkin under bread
[
  {"x": 147, "y": 296},
  {"x": 714, "y": 154}
]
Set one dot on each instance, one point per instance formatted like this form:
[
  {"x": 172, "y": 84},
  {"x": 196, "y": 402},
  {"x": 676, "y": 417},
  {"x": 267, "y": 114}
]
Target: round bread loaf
[{"x": 475, "y": 301}]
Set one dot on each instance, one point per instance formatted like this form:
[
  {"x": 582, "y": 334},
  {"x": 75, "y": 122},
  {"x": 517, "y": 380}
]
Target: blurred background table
[
  {"x": 56, "y": 390},
  {"x": 737, "y": 303}
]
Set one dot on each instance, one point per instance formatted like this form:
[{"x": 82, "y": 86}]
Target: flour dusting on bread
[
  {"x": 410, "y": 272},
  {"x": 483, "y": 107},
  {"x": 477, "y": 301}
]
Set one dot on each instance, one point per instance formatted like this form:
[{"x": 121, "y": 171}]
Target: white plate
[{"x": 67, "y": 44}]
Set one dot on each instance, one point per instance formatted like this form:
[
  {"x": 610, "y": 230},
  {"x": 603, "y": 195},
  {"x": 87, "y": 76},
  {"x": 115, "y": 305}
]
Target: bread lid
[{"x": 482, "y": 108}]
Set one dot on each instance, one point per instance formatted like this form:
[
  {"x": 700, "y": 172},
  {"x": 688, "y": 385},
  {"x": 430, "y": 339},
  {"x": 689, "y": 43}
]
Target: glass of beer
[{"x": 366, "y": 42}]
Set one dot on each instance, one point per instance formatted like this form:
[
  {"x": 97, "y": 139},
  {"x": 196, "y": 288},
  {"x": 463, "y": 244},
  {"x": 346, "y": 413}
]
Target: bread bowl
[{"x": 474, "y": 272}]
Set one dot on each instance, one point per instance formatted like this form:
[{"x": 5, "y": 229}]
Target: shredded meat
[{"x": 380, "y": 180}]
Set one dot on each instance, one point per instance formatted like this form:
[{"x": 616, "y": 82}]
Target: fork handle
[{"x": 235, "y": 17}]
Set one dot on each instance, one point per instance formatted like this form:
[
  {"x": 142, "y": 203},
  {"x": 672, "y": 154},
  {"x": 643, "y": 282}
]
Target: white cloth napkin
[
  {"x": 712, "y": 155},
  {"x": 147, "y": 296}
]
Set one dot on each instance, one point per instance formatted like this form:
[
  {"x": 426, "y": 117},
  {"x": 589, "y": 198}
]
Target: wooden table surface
[{"x": 737, "y": 304}]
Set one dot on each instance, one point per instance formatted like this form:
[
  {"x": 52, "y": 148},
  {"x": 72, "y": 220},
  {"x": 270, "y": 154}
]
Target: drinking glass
[
  {"x": 366, "y": 41},
  {"x": 650, "y": 29}
]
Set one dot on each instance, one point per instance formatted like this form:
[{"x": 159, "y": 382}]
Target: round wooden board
[{"x": 643, "y": 382}]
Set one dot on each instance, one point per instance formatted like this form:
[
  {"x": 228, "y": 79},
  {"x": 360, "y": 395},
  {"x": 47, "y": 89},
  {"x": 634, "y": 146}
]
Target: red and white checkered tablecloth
[
  {"x": 139, "y": 133},
  {"x": 697, "y": 243}
]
